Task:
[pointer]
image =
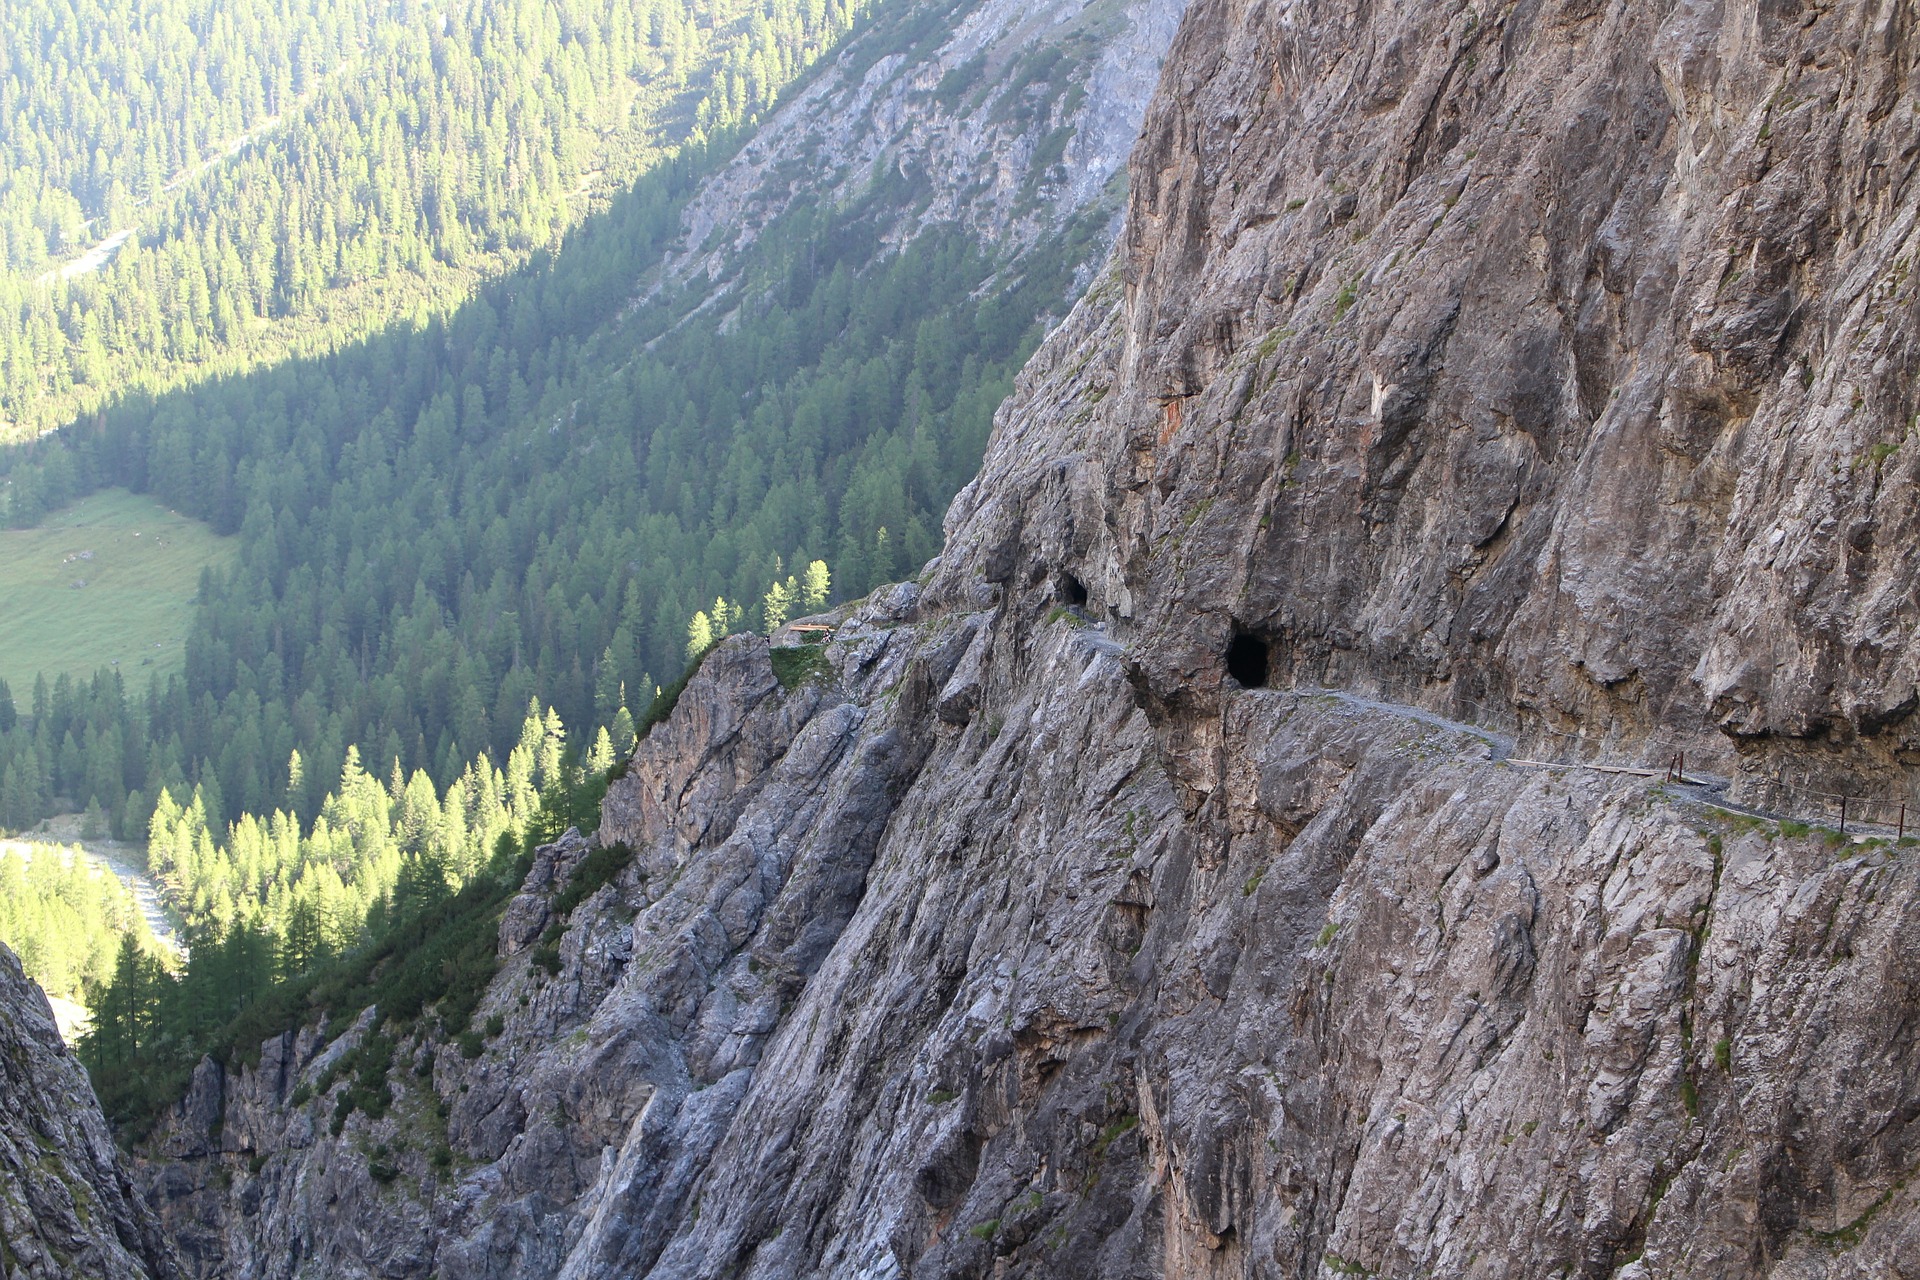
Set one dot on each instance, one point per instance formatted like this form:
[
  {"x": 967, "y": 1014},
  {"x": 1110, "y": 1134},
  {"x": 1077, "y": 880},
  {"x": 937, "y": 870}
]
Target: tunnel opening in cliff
[
  {"x": 1249, "y": 660},
  {"x": 1073, "y": 591}
]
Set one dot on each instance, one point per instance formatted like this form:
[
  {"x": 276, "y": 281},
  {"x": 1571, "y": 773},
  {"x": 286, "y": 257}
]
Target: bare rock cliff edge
[
  {"x": 68, "y": 1206},
  {"x": 1496, "y": 385}
]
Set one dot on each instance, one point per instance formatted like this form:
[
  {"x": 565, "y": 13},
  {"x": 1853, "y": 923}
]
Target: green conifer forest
[
  {"x": 66, "y": 918},
  {"x": 291, "y": 173}
]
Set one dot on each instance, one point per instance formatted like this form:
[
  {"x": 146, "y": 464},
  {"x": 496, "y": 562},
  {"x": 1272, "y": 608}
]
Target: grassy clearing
[
  {"x": 795, "y": 665},
  {"x": 141, "y": 567}
]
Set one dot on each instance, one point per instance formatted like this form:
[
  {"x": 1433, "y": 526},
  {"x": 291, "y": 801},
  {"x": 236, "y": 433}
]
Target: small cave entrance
[
  {"x": 1073, "y": 591},
  {"x": 1248, "y": 660}
]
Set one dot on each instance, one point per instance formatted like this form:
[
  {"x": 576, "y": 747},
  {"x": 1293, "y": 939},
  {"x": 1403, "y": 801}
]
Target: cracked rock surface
[{"x": 1555, "y": 360}]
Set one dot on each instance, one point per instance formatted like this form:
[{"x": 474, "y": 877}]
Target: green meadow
[{"x": 110, "y": 579}]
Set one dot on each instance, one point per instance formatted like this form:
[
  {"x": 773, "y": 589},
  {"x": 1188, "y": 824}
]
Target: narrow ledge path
[{"x": 1701, "y": 788}]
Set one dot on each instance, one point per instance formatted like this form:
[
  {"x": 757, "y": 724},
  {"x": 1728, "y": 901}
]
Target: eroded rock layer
[{"x": 1554, "y": 359}]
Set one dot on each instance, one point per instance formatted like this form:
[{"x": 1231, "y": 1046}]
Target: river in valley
[{"x": 126, "y": 861}]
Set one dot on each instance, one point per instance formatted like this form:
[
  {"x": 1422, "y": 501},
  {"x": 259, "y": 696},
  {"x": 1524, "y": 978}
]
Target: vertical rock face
[
  {"x": 1547, "y": 367},
  {"x": 1006, "y": 118},
  {"x": 67, "y": 1206},
  {"x": 1556, "y": 359}
]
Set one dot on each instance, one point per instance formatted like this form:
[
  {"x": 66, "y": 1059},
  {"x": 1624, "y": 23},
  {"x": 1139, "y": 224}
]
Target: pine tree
[
  {"x": 778, "y": 603},
  {"x": 814, "y": 586},
  {"x": 303, "y": 939},
  {"x": 600, "y": 755},
  {"x": 609, "y": 691}
]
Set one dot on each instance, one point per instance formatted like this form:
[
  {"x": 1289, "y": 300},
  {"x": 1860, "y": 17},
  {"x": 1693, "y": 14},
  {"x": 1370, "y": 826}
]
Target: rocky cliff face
[
  {"x": 67, "y": 1206},
  {"x": 1005, "y": 117},
  {"x": 1544, "y": 367},
  {"x": 1557, "y": 360}
]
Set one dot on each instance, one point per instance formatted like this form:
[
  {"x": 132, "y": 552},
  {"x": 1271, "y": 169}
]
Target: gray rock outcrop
[
  {"x": 1555, "y": 362},
  {"x": 1006, "y": 118},
  {"x": 68, "y": 1206}
]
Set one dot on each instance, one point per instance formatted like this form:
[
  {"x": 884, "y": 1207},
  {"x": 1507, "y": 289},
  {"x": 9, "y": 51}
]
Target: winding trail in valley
[{"x": 100, "y": 254}]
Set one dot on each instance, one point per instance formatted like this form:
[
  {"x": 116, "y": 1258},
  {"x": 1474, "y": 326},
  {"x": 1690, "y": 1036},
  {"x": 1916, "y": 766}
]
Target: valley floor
[{"x": 106, "y": 582}]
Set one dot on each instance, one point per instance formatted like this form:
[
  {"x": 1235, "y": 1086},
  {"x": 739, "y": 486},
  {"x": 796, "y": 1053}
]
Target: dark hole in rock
[
  {"x": 1072, "y": 590},
  {"x": 1247, "y": 660}
]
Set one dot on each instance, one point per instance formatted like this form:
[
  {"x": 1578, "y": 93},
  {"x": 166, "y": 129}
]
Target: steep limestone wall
[
  {"x": 1553, "y": 358},
  {"x": 67, "y": 1205}
]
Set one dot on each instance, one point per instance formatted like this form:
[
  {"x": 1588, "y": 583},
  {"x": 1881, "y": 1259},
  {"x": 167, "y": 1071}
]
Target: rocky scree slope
[
  {"x": 68, "y": 1206},
  {"x": 1460, "y": 355},
  {"x": 1006, "y": 118}
]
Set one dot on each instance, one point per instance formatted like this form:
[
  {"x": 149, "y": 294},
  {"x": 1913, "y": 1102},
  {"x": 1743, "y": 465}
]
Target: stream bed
[{"x": 125, "y": 861}]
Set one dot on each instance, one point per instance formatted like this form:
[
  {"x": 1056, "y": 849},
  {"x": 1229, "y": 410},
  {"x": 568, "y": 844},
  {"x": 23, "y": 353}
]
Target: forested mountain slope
[
  {"x": 267, "y": 179},
  {"x": 457, "y": 538},
  {"x": 1548, "y": 365},
  {"x": 466, "y": 542}
]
